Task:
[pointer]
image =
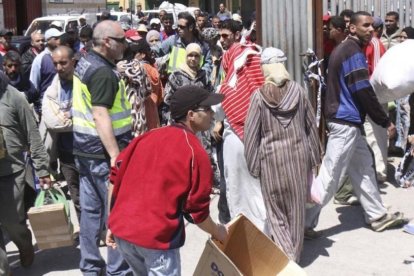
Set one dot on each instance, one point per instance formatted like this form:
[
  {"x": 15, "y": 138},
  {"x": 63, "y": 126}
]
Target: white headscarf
[{"x": 274, "y": 70}]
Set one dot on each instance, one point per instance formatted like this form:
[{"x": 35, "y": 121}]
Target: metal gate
[
  {"x": 376, "y": 7},
  {"x": 288, "y": 25}
]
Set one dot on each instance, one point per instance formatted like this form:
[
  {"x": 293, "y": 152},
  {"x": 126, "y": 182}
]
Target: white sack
[{"x": 393, "y": 77}]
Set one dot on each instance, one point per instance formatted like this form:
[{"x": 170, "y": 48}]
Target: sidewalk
[{"x": 349, "y": 246}]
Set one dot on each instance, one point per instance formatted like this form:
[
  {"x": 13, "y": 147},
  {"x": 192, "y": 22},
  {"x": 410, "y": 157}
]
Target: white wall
[
  {"x": 1, "y": 17},
  {"x": 91, "y": 6}
]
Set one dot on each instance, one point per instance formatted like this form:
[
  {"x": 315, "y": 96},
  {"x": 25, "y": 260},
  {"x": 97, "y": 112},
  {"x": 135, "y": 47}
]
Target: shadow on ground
[
  {"x": 350, "y": 217},
  {"x": 59, "y": 259}
]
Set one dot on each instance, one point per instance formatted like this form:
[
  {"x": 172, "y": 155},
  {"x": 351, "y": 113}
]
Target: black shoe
[
  {"x": 27, "y": 256},
  {"x": 311, "y": 234}
]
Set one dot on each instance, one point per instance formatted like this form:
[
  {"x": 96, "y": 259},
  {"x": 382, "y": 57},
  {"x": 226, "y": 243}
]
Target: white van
[{"x": 68, "y": 21}]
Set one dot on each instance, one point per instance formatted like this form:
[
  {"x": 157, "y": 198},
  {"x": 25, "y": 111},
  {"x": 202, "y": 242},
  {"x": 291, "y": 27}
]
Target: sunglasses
[
  {"x": 181, "y": 27},
  {"x": 121, "y": 40}
]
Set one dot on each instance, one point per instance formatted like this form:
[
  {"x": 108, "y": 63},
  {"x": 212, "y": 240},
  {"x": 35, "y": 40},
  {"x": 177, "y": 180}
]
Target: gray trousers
[
  {"x": 12, "y": 216},
  {"x": 347, "y": 152}
]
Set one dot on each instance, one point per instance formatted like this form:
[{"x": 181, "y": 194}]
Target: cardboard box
[
  {"x": 50, "y": 225},
  {"x": 247, "y": 252}
]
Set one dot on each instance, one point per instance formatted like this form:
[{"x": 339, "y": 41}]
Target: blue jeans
[
  {"x": 93, "y": 175},
  {"x": 150, "y": 262}
]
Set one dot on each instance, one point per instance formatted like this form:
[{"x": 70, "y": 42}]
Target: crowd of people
[{"x": 144, "y": 123}]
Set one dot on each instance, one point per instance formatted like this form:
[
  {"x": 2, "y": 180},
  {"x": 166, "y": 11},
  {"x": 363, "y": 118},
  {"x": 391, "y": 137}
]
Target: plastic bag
[
  {"x": 52, "y": 196},
  {"x": 393, "y": 77}
]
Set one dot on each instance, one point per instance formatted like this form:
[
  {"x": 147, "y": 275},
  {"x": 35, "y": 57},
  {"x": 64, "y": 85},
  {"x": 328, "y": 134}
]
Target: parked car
[{"x": 21, "y": 43}]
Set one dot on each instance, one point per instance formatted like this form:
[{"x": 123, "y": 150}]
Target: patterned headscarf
[{"x": 209, "y": 34}]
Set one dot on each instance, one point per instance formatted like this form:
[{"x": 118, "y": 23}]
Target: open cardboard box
[{"x": 248, "y": 252}]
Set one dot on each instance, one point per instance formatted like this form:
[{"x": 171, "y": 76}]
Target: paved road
[{"x": 348, "y": 247}]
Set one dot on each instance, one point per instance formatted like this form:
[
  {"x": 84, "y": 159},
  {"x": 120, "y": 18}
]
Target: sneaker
[
  {"x": 311, "y": 234},
  {"x": 387, "y": 221},
  {"x": 353, "y": 200}
]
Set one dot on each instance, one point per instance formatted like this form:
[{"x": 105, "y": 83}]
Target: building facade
[{"x": 16, "y": 15}]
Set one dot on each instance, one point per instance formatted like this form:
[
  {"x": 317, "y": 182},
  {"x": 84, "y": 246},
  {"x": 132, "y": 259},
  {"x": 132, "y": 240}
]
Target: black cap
[
  {"x": 4, "y": 32},
  {"x": 189, "y": 97}
]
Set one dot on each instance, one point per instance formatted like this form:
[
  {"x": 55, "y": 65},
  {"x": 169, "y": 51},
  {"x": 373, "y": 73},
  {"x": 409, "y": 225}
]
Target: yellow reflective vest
[{"x": 86, "y": 138}]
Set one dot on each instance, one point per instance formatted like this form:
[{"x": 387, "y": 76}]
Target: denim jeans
[
  {"x": 93, "y": 200},
  {"x": 150, "y": 262}
]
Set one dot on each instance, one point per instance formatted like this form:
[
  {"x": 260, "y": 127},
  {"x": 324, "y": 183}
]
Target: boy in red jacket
[{"x": 161, "y": 178}]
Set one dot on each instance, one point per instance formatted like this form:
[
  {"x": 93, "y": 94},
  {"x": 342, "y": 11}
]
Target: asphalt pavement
[{"x": 348, "y": 245}]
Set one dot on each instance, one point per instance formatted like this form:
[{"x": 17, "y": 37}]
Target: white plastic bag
[{"x": 393, "y": 77}]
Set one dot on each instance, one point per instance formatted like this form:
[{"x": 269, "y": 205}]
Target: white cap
[
  {"x": 57, "y": 23},
  {"x": 82, "y": 17},
  {"x": 53, "y": 32},
  {"x": 272, "y": 55},
  {"x": 142, "y": 28},
  {"x": 237, "y": 17},
  {"x": 155, "y": 21}
]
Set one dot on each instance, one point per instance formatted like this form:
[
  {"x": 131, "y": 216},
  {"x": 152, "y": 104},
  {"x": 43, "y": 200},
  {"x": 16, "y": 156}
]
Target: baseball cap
[
  {"x": 326, "y": 17},
  {"x": 377, "y": 22},
  {"x": 155, "y": 21},
  {"x": 189, "y": 97},
  {"x": 52, "y": 32},
  {"x": 142, "y": 28},
  {"x": 132, "y": 35},
  {"x": 4, "y": 32}
]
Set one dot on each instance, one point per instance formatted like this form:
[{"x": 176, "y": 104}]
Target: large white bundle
[{"x": 393, "y": 77}]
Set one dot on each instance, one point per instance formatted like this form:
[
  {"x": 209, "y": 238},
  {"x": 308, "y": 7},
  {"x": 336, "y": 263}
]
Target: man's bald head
[
  {"x": 64, "y": 51},
  {"x": 64, "y": 61},
  {"x": 109, "y": 40},
  {"x": 106, "y": 28}
]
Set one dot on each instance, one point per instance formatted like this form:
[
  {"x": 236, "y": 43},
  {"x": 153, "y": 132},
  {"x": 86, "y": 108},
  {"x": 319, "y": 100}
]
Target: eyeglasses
[
  {"x": 121, "y": 40},
  {"x": 181, "y": 27},
  {"x": 204, "y": 109}
]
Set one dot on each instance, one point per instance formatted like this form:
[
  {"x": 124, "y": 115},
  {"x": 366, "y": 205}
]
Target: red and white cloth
[{"x": 243, "y": 76}]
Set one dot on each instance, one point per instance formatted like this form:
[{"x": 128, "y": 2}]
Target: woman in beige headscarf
[
  {"x": 189, "y": 73},
  {"x": 282, "y": 147}
]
